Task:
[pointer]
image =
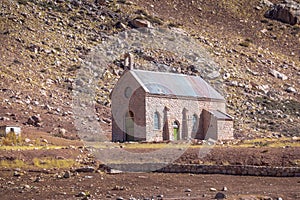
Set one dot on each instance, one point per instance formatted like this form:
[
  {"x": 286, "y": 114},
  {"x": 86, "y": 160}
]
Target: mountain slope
[{"x": 43, "y": 43}]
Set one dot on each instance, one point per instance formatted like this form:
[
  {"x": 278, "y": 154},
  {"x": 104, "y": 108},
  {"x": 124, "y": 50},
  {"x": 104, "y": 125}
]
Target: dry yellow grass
[{"x": 45, "y": 163}]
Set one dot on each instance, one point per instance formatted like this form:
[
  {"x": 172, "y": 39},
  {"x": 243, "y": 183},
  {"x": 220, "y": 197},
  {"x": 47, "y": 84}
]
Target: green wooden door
[
  {"x": 176, "y": 130},
  {"x": 175, "y": 133}
]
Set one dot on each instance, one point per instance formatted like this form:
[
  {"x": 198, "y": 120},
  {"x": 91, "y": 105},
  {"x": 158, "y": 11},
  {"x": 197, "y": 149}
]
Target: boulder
[
  {"x": 220, "y": 195},
  {"x": 287, "y": 12},
  {"x": 291, "y": 90},
  {"x": 35, "y": 120},
  {"x": 140, "y": 23},
  {"x": 277, "y": 74},
  {"x": 67, "y": 174}
]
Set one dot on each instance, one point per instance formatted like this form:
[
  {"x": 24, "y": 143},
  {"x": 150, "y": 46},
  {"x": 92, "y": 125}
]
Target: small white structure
[{"x": 4, "y": 130}]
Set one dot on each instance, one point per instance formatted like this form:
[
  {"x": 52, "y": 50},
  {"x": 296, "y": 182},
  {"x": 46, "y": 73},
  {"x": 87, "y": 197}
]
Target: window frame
[
  {"x": 195, "y": 122},
  {"x": 156, "y": 121}
]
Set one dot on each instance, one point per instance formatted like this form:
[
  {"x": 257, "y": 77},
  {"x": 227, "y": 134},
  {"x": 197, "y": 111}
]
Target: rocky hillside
[{"x": 44, "y": 43}]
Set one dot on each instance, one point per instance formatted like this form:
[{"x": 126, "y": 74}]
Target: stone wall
[
  {"x": 210, "y": 169},
  {"x": 225, "y": 129},
  {"x": 180, "y": 110},
  {"x": 233, "y": 170},
  {"x": 121, "y": 105}
]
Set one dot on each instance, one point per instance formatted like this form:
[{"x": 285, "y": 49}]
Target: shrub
[{"x": 11, "y": 139}]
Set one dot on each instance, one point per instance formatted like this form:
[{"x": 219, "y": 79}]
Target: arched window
[
  {"x": 195, "y": 122},
  {"x": 156, "y": 121}
]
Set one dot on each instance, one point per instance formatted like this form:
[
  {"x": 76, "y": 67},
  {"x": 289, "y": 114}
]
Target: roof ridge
[{"x": 161, "y": 72}]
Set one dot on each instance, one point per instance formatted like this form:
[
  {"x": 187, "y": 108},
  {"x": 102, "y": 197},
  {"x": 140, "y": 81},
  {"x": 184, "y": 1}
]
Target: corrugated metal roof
[
  {"x": 175, "y": 84},
  {"x": 220, "y": 115}
]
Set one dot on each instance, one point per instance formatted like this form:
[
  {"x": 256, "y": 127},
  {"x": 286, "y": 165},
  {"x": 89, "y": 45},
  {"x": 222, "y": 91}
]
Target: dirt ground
[
  {"x": 37, "y": 183},
  {"x": 264, "y": 156},
  {"x": 145, "y": 186}
]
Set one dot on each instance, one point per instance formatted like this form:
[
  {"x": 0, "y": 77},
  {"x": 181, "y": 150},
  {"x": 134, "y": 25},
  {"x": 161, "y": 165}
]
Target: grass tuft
[
  {"x": 12, "y": 164},
  {"x": 47, "y": 163}
]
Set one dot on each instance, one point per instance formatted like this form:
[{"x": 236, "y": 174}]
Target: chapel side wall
[
  {"x": 120, "y": 106},
  {"x": 117, "y": 132},
  {"x": 137, "y": 106},
  {"x": 211, "y": 126},
  {"x": 175, "y": 108},
  {"x": 225, "y": 129}
]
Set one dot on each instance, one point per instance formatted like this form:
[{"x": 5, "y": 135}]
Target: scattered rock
[
  {"x": 188, "y": 190},
  {"x": 10, "y": 183},
  {"x": 291, "y": 90},
  {"x": 106, "y": 120},
  {"x": 226, "y": 76},
  {"x": 26, "y": 187},
  {"x": 263, "y": 88},
  {"x": 81, "y": 194},
  {"x": 100, "y": 2},
  {"x": 27, "y": 140},
  {"x": 266, "y": 3},
  {"x": 76, "y": 3},
  {"x": 4, "y": 118},
  {"x": 117, "y": 187},
  {"x": 120, "y": 25},
  {"x": 277, "y": 74},
  {"x": 220, "y": 195},
  {"x": 38, "y": 179},
  {"x": 35, "y": 120},
  {"x": 140, "y": 23},
  {"x": 17, "y": 173},
  {"x": 85, "y": 169},
  {"x": 62, "y": 131},
  {"x": 225, "y": 188},
  {"x": 213, "y": 75},
  {"x": 45, "y": 141},
  {"x": 67, "y": 174},
  {"x": 212, "y": 189}
]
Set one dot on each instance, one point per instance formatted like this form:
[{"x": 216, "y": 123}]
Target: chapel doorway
[
  {"x": 176, "y": 133},
  {"x": 129, "y": 126}
]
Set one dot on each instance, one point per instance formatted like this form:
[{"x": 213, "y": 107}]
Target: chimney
[{"x": 128, "y": 61}]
